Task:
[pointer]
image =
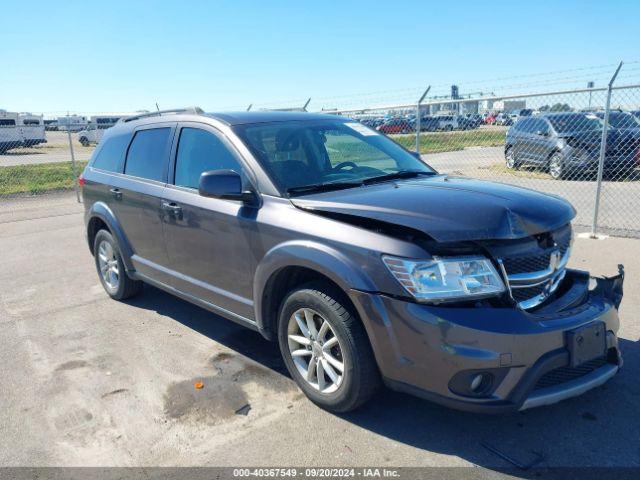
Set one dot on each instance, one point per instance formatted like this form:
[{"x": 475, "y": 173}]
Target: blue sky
[{"x": 114, "y": 55}]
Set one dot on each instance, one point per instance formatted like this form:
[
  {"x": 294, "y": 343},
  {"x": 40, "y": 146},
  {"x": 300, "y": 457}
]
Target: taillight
[{"x": 81, "y": 181}]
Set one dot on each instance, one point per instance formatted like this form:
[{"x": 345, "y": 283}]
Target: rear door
[
  {"x": 209, "y": 240},
  {"x": 136, "y": 196},
  {"x": 520, "y": 133}
]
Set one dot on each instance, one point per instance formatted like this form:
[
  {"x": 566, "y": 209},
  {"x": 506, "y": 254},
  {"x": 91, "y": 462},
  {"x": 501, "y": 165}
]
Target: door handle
[
  {"x": 117, "y": 194},
  {"x": 172, "y": 208}
]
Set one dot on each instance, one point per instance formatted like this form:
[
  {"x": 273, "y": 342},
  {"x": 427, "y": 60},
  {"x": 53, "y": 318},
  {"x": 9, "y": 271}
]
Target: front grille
[
  {"x": 526, "y": 264},
  {"x": 537, "y": 262},
  {"x": 531, "y": 274},
  {"x": 521, "y": 294},
  {"x": 566, "y": 374}
]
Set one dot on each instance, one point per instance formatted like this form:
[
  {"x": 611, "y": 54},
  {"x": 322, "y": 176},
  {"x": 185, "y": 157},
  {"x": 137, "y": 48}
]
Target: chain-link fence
[
  {"x": 581, "y": 144},
  {"x": 553, "y": 142},
  {"x": 43, "y": 154}
]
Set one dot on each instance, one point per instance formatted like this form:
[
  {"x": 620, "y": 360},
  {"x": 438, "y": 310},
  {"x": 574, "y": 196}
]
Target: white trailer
[
  {"x": 74, "y": 123},
  {"x": 20, "y": 130},
  {"x": 97, "y": 125},
  {"x": 32, "y": 127}
]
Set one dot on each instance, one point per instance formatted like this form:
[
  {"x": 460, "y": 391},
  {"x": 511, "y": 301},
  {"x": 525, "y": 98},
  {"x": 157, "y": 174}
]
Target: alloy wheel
[
  {"x": 315, "y": 350},
  {"x": 510, "y": 159},
  {"x": 555, "y": 167},
  {"x": 108, "y": 264}
]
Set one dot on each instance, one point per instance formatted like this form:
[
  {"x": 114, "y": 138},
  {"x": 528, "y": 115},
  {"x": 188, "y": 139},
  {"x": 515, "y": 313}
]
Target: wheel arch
[
  {"x": 553, "y": 151},
  {"x": 296, "y": 263},
  {"x": 99, "y": 217}
]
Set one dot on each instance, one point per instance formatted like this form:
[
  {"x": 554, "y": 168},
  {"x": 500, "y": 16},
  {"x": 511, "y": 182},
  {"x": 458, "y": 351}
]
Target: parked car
[
  {"x": 364, "y": 264},
  {"x": 447, "y": 122},
  {"x": 503, "y": 119},
  {"x": 475, "y": 119},
  {"x": 524, "y": 112},
  {"x": 396, "y": 125},
  {"x": 94, "y": 130},
  {"x": 429, "y": 124},
  {"x": 490, "y": 119},
  {"x": 624, "y": 121},
  {"x": 467, "y": 122},
  {"x": 567, "y": 144},
  {"x": 51, "y": 125}
]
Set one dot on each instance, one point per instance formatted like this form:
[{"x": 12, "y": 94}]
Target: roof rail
[{"x": 159, "y": 113}]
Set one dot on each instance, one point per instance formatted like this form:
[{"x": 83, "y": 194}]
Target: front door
[
  {"x": 208, "y": 240},
  {"x": 541, "y": 142}
]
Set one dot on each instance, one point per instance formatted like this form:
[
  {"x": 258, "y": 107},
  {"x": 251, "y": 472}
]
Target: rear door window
[
  {"x": 200, "y": 151},
  {"x": 110, "y": 155},
  {"x": 148, "y": 154}
]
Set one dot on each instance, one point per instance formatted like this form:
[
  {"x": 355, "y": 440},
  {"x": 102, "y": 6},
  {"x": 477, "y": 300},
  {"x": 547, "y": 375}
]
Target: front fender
[
  {"x": 102, "y": 211},
  {"x": 312, "y": 255}
]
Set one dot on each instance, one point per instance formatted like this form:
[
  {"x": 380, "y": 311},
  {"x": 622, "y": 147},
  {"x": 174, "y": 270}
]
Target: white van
[
  {"x": 20, "y": 130},
  {"x": 96, "y": 127}
]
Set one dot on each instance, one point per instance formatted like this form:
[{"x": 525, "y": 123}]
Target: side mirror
[
  {"x": 542, "y": 133},
  {"x": 225, "y": 184}
]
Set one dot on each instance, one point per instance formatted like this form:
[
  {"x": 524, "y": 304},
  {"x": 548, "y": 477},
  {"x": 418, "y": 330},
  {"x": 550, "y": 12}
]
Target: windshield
[
  {"x": 575, "y": 122},
  {"x": 306, "y": 153},
  {"x": 623, "y": 120}
]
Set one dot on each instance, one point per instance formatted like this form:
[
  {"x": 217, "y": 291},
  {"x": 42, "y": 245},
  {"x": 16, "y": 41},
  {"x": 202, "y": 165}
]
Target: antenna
[{"x": 157, "y": 107}]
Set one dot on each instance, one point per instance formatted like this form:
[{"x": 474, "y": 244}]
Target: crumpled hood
[{"x": 449, "y": 209}]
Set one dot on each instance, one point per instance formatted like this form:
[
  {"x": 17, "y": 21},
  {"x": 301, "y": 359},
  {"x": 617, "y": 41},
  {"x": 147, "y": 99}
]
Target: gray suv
[{"x": 363, "y": 263}]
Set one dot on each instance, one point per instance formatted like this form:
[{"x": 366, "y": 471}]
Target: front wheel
[
  {"x": 556, "y": 166},
  {"x": 510, "y": 159},
  {"x": 326, "y": 349}
]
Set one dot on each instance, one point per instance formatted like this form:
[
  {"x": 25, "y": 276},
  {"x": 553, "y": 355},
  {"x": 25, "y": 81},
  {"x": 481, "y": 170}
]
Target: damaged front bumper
[{"x": 493, "y": 360}]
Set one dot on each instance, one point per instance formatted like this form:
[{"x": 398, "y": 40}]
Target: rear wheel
[
  {"x": 111, "y": 269},
  {"x": 84, "y": 141},
  {"x": 326, "y": 349}
]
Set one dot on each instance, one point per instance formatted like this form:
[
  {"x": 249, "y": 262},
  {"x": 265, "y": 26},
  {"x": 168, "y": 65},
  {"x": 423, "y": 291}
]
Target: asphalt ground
[{"x": 88, "y": 381}]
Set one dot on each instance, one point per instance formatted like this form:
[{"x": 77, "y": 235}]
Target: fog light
[{"x": 476, "y": 382}]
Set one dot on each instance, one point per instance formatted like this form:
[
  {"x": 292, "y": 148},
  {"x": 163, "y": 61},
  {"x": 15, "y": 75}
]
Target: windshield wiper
[
  {"x": 323, "y": 187},
  {"x": 396, "y": 175}
]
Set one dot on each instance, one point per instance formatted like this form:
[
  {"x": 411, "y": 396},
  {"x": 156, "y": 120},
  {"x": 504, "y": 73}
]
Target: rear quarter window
[
  {"x": 147, "y": 154},
  {"x": 111, "y": 153}
]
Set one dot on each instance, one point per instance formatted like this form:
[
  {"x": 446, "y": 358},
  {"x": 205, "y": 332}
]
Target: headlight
[{"x": 446, "y": 278}]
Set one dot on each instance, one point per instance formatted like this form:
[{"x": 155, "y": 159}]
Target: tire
[
  {"x": 448, "y": 128},
  {"x": 360, "y": 377},
  {"x": 511, "y": 160},
  {"x": 84, "y": 142},
  {"x": 115, "y": 281},
  {"x": 556, "y": 166}
]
